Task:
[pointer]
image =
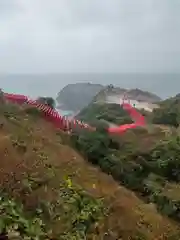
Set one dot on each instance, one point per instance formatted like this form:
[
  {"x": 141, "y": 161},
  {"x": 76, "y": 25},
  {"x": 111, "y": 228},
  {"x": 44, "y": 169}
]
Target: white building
[{"x": 137, "y": 104}]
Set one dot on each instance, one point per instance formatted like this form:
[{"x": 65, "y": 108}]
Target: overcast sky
[
  {"x": 54, "y": 36},
  {"x": 89, "y": 35}
]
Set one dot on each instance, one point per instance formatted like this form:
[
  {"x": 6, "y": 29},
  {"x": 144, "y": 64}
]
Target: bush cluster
[{"x": 135, "y": 169}]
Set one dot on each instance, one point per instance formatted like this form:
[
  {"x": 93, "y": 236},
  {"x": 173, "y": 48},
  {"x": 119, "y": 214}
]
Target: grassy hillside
[
  {"x": 144, "y": 160},
  {"x": 48, "y": 191}
]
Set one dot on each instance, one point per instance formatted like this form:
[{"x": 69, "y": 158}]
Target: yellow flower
[
  {"x": 94, "y": 186},
  {"x": 69, "y": 183}
]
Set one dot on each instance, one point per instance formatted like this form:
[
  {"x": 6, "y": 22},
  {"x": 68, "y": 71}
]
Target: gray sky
[
  {"x": 39, "y": 36},
  {"x": 68, "y": 36}
]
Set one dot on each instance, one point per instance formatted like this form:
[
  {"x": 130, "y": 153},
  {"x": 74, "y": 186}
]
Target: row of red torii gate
[{"x": 64, "y": 123}]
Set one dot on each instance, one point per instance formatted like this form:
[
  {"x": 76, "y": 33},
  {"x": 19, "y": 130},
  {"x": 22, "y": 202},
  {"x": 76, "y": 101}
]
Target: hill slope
[{"x": 35, "y": 159}]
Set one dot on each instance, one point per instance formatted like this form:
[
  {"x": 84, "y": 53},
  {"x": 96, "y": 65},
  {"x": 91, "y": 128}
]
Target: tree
[
  {"x": 168, "y": 113},
  {"x": 47, "y": 101},
  {"x": 1, "y": 96},
  {"x": 165, "y": 158}
]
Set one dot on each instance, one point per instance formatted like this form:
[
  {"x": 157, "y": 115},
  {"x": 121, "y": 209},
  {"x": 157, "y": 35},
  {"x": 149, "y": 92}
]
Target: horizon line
[{"x": 81, "y": 73}]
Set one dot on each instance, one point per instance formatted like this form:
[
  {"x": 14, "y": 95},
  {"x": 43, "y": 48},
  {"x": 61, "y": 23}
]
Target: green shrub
[
  {"x": 15, "y": 224},
  {"x": 166, "y": 158},
  {"x": 78, "y": 211}
]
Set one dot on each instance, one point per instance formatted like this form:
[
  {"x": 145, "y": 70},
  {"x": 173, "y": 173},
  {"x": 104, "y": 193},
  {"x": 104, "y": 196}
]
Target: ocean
[
  {"x": 35, "y": 85},
  {"x": 65, "y": 113}
]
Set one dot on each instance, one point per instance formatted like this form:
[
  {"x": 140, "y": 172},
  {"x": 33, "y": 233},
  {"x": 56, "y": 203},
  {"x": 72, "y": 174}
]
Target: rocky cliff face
[
  {"x": 110, "y": 92},
  {"x": 75, "y": 97}
]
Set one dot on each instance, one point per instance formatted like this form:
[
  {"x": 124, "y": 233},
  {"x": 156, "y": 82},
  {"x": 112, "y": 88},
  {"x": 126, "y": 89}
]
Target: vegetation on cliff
[{"x": 109, "y": 112}]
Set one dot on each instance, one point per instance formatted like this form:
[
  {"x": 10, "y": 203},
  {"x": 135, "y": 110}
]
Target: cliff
[
  {"x": 74, "y": 97},
  {"x": 111, "y": 92}
]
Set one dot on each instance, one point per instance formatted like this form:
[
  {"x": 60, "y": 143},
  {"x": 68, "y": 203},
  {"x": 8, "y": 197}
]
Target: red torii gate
[{"x": 64, "y": 123}]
